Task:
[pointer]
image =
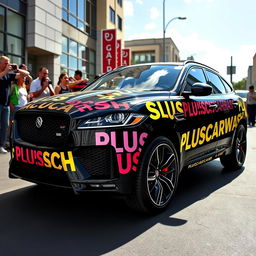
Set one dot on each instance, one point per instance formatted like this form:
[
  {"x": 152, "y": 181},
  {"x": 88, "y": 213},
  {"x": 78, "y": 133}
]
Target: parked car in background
[
  {"x": 242, "y": 94},
  {"x": 131, "y": 132}
]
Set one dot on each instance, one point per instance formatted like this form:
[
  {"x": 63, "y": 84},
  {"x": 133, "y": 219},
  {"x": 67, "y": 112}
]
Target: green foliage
[{"x": 240, "y": 85}]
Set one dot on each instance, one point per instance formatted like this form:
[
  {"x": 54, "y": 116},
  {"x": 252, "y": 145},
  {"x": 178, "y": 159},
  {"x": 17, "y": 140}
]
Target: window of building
[
  {"x": 1, "y": 41},
  {"x": 77, "y": 56},
  {"x": 112, "y": 15},
  {"x": 143, "y": 57},
  {"x": 215, "y": 82},
  {"x": 120, "y": 2},
  {"x": 12, "y": 36},
  {"x": 119, "y": 23},
  {"x": 1, "y": 18},
  {"x": 80, "y": 14}
]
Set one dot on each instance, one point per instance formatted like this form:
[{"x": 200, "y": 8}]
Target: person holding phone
[
  {"x": 8, "y": 73},
  {"x": 37, "y": 91}
]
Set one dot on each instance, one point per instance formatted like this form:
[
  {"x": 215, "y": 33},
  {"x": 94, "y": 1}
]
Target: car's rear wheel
[
  {"x": 157, "y": 177},
  {"x": 235, "y": 160}
]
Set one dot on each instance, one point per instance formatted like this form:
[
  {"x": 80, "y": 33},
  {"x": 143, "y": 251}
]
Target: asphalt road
[{"x": 213, "y": 213}]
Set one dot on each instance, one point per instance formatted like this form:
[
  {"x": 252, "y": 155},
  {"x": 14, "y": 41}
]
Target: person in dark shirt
[
  {"x": 62, "y": 85},
  {"x": 8, "y": 73},
  {"x": 79, "y": 83}
]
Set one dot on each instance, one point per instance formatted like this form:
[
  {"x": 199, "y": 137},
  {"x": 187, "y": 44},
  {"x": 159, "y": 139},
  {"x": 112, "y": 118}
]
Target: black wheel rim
[
  {"x": 241, "y": 146},
  {"x": 162, "y": 174}
]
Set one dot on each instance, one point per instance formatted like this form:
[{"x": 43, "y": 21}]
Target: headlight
[{"x": 112, "y": 120}]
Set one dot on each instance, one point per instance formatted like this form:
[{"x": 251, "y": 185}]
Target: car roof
[
  {"x": 180, "y": 63},
  {"x": 241, "y": 90}
]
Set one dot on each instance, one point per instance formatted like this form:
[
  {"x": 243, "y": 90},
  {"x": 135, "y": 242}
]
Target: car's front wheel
[
  {"x": 235, "y": 160},
  {"x": 157, "y": 177}
]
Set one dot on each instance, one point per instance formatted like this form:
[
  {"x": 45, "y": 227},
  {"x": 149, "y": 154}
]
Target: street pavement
[{"x": 213, "y": 213}]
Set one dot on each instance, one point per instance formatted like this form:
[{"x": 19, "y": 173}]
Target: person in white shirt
[{"x": 36, "y": 89}]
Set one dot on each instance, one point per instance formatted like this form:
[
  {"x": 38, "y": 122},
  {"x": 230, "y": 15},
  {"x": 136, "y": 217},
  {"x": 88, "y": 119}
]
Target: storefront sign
[
  {"x": 119, "y": 53},
  {"x": 108, "y": 50},
  {"x": 125, "y": 57}
]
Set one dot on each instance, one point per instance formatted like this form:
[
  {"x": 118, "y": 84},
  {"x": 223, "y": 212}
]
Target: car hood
[{"x": 87, "y": 103}]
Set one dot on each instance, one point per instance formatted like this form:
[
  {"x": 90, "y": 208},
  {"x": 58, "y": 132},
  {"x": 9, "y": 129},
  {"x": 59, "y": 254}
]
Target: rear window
[{"x": 146, "y": 77}]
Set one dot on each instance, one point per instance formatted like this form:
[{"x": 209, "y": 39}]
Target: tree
[{"x": 240, "y": 85}]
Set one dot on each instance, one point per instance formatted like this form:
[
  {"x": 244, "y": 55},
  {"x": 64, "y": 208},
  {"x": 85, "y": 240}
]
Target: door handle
[
  {"x": 213, "y": 106},
  {"x": 179, "y": 117}
]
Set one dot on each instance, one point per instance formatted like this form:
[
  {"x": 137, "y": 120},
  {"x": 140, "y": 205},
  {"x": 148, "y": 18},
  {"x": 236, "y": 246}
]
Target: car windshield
[
  {"x": 242, "y": 94},
  {"x": 145, "y": 77}
]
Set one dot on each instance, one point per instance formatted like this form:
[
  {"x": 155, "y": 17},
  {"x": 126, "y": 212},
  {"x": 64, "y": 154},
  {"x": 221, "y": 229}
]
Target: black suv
[{"x": 131, "y": 131}]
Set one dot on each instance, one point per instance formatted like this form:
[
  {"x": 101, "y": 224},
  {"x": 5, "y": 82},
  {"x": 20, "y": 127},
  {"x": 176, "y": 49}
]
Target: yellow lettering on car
[
  {"x": 53, "y": 156},
  {"x": 47, "y": 162},
  {"x": 68, "y": 161},
  {"x": 151, "y": 108}
]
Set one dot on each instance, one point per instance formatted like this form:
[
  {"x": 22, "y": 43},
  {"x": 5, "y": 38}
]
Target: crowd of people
[{"x": 17, "y": 88}]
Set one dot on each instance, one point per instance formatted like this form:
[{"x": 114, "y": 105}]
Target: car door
[
  {"x": 227, "y": 110},
  {"x": 196, "y": 130}
]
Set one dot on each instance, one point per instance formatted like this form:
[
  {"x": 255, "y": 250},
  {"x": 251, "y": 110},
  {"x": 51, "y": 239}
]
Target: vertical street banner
[
  {"x": 118, "y": 52},
  {"x": 126, "y": 57},
  {"x": 108, "y": 50}
]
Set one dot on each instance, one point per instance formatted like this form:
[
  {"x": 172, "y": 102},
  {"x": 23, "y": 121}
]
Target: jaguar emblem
[{"x": 39, "y": 122}]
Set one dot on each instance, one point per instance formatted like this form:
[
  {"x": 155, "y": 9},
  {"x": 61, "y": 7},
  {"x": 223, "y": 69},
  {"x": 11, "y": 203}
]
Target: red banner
[
  {"x": 118, "y": 53},
  {"x": 126, "y": 57},
  {"x": 108, "y": 50}
]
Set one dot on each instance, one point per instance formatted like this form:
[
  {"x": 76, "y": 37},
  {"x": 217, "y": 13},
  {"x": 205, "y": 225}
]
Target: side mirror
[{"x": 201, "y": 89}]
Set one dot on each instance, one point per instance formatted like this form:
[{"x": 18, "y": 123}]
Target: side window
[
  {"x": 195, "y": 75},
  {"x": 227, "y": 85},
  {"x": 215, "y": 82}
]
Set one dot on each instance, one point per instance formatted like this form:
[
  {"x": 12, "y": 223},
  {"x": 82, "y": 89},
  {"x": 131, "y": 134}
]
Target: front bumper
[{"x": 82, "y": 169}]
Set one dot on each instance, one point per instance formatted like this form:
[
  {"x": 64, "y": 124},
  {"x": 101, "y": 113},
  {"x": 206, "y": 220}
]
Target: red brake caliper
[{"x": 165, "y": 170}]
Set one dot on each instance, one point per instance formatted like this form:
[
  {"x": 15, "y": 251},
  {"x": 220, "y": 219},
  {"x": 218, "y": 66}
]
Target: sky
[{"x": 214, "y": 30}]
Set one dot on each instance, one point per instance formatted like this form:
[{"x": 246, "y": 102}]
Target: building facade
[
  {"x": 151, "y": 50},
  {"x": 254, "y": 70},
  {"x": 63, "y": 35},
  {"x": 249, "y": 80}
]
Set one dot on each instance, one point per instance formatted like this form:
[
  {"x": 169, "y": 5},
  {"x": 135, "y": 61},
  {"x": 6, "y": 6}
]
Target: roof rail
[{"x": 196, "y": 62}]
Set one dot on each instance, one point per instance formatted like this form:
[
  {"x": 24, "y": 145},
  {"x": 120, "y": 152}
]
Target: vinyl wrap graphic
[
  {"x": 57, "y": 160},
  {"x": 199, "y": 136},
  {"x": 128, "y": 147}
]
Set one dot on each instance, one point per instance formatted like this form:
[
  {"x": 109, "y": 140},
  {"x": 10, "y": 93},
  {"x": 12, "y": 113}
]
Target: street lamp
[{"x": 165, "y": 27}]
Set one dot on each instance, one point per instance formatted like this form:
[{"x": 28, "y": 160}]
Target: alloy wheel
[
  {"x": 241, "y": 146},
  {"x": 162, "y": 174}
]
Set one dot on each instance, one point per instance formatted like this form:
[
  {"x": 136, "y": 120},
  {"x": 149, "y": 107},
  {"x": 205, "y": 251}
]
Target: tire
[
  {"x": 236, "y": 158},
  {"x": 157, "y": 177}
]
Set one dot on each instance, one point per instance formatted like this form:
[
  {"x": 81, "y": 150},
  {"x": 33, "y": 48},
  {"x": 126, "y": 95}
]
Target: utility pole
[{"x": 231, "y": 72}]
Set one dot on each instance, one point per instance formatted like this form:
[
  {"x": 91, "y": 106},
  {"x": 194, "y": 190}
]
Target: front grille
[
  {"x": 53, "y": 132},
  {"x": 100, "y": 162}
]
